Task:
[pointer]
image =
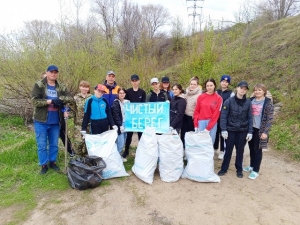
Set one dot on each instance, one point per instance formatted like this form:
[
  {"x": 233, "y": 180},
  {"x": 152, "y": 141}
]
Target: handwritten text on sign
[{"x": 138, "y": 116}]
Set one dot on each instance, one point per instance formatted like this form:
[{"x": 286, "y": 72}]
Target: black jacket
[
  {"x": 177, "y": 109},
  {"x": 160, "y": 97},
  {"x": 224, "y": 94},
  {"x": 117, "y": 114},
  {"x": 236, "y": 115}
]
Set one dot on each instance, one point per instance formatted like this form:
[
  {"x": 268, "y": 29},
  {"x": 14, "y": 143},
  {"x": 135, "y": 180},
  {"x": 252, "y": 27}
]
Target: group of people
[{"x": 226, "y": 115}]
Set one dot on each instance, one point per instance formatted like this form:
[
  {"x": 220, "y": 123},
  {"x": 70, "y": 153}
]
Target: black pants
[
  {"x": 62, "y": 136},
  {"x": 187, "y": 126},
  {"x": 99, "y": 126},
  {"x": 218, "y": 139},
  {"x": 128, "y": 142},
  {"x": 255, "y": 152},
  {"x": 237, "y": 139}
]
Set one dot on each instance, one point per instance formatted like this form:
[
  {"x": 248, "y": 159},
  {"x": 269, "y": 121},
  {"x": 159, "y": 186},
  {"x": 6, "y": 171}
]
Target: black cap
[
  {"x": 165, "y": 80},
  {"x": 134, "y": 77},
  {"x": 243, "y": 84}
]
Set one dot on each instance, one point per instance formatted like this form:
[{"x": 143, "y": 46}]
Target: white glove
[
  {"x": 122, "y": 129},
  {"x": 83, "y": 133},
  {"x": 206, "y": 131},
  {"x": 196, "y": 129},
  {"x": 224, "y": 134},
  {"x": 167, "y": 101},
  {"x": 249, "y": 137},
  {"x": 115, "y": 127}
]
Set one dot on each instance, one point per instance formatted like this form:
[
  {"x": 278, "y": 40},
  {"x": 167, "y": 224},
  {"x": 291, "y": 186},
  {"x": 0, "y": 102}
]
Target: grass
[{"x": 20, "y": 182}]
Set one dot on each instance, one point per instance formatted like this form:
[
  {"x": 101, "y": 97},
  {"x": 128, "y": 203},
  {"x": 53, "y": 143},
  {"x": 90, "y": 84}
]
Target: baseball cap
[
  {"x": 110, "y": 72},
  {"x": 165, "y": 80},
  {"x": 225, "y": 77},
  {"x": 100, "y": 87},
  {"x": 243, "y": 84},
  {"x": 52, "y": 68},
  {"x": 134, "y": 77},
  {"x": 154, "y": 80}
]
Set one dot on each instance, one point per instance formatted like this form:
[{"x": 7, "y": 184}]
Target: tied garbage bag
[
  {"x": 199, "y": 152},
  {"x": 84, "y": 173},
  {"x": 146, "y": 156},
  {"x": 170, "y": 150},
  {"x": 104, "y": 145}
]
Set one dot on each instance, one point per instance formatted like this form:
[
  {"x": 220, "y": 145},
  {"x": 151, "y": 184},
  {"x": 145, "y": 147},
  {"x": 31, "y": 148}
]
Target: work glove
[
  {"x": 196, "y": 129},
  {"x": 114, "y": 127},
  {"x": 249, "y": 137},
  {"x": 58, "y": 103},
  {"x": 122, "y": 129},
  {"x": 83, "y": 133},
  {"x": 224, "y": 134},
  {"x": 206, "y": 131}
]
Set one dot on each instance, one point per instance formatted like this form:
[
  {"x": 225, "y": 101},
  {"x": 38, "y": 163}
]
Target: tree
[
  {"x": 154, "y": 17},
  {"x": 108, "y": 10},
  {"x": 278, "y": 9}
]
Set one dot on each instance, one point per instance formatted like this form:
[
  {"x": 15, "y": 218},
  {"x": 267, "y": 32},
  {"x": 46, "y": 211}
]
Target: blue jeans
[
  {"x": 202, "y": 124},
  {"x": 46, "y": 134},
  {"x": 121, "y": 142}
]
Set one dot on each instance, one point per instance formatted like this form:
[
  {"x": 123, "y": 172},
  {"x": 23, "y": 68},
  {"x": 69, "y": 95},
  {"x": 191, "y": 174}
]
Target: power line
[{"x": 194, "y": 14}]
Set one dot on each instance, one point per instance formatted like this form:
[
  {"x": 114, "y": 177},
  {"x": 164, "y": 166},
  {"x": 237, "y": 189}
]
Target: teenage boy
[
  {"x": 225, "y": 93},
  {"x": 236, "y": 125},
  {"x": 134, "y": 95},
  {"x": 156, "y": 94},
  {"x": 48, "y": 97},
  {"x": 111, "y": 87}
]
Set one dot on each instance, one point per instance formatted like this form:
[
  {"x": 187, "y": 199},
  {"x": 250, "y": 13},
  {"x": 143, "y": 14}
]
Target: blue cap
[
  {"x": 225, "y": 77},
  {"x": 52, "y": 68}
]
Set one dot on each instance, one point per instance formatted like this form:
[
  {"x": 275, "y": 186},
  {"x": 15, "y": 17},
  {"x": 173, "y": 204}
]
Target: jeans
[
  {"x": 202, "y": 124},
  {"x": 46, "y": 134},
  {"x": 121, "y": 141}
]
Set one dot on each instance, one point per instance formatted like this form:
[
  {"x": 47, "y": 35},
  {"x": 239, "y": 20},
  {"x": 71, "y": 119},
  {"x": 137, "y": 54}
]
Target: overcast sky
[{"x": 13, "y": 13}]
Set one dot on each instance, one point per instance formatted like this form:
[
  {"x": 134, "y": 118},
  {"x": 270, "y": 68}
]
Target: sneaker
[
  {"x": 221, "y": 173},
  {"x": 221, "y": 155},
  {"x": 239, "y": 174},
  {"x": 124, "y": 159},
  {"x": 253, "y": 175},
  {"x": 53, "y": 165},
  {"x": 248, "y": 169},
  {"x": 44, "y": 169}
]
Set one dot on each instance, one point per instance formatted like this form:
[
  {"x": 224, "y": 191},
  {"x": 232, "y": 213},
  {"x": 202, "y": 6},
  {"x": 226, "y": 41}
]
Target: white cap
[{"x": 154, "y": 80}]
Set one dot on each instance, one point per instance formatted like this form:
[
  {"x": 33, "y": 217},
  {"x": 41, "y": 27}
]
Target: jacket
[
  {"x": 236, "y": 115},
  {"x": 117, "y": 113},
  {"x": 111, "y": 92},
  {"x": 96, "y": 109},
  {"x": 160, "y": 97},
  {"x": 39, "y": 99},
  {"x": 225, "y": 94},
  {"x": 266, "y": 121},
  {"x": 177, "y": 109},
  {"x": 78, "y": 108},
  {"x": 191, "y": 97}
]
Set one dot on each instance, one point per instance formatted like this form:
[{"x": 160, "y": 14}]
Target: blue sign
[{"x": 138, "y": 116}]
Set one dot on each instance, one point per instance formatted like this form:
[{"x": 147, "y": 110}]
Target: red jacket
[{"x": 208, "y": 108}]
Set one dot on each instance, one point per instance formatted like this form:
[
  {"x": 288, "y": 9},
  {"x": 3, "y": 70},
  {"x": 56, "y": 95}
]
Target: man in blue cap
[{"x": 48, "y": 96}]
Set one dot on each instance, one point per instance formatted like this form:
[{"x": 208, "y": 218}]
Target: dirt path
[{"x": 274, "y": 198}]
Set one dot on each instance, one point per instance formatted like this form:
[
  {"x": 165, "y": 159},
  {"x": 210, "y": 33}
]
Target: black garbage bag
[{"x": 84, "y": 173}]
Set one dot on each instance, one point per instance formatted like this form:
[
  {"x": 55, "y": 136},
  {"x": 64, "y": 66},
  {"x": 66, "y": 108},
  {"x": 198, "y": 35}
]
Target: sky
[{"x": 13, "y": 13}]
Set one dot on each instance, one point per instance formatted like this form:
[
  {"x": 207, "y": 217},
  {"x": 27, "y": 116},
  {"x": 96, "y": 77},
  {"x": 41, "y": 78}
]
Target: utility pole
[{"x": 194, "y": 14}]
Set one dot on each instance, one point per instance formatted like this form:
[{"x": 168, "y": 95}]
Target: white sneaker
[
  {"x": 221, "y": 155},
  {"x": 248, "y": 169},
  {"x": 124, "y": 159},
  {"x": 253, "y": 175}
]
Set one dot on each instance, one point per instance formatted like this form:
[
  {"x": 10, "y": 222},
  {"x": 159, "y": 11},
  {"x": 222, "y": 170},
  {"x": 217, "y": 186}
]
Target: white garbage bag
[
  {"x": 170, "y": 150},
  {"x": 104, "y": 145},
  {"x": 146, "y": 156},
  {"x": 199, "y": 152}
]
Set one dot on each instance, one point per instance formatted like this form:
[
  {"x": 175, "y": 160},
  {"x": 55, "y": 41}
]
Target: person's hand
[
  {"x": 167, "y": 101},
  {"x": 249, "y": 137},
  {"x": 224, "y": 134},
  {"x": 206, "y": 131},
  {"x": 66, "y": 115},
  {"x": 83, "y": 133},
  {"x": 263, "y": 136},
  {"x": 196, "y": 129},
  {"x": 58, "y": 103},
  {"x": 122, "y": 129},
  {"x": 115, "y": 127}
]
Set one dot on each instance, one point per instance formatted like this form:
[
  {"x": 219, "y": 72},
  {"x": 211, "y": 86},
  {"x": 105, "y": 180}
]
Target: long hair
[
  {"x": 210, "y": 80},
  {"x": 121, "y": 89},
  {"x": 179, "y": 87}
]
